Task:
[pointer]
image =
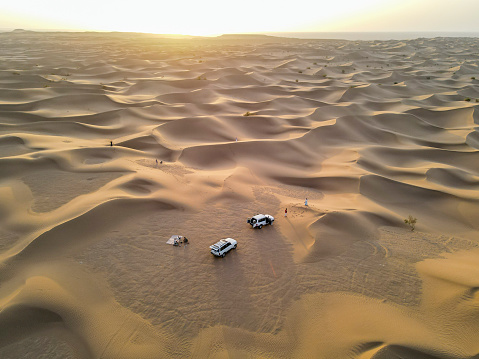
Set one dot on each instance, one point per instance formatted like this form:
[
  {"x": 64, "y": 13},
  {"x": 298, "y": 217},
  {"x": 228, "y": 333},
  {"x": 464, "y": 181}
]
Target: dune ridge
[{"x": 111, "y": 143}]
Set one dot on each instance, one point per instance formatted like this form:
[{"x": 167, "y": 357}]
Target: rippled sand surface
[{"x": 369, "y": 131}]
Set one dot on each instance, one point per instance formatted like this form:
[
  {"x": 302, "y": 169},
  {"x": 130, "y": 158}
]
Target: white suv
[
  {"x": 220, "y": 248},
  {"x": 260, "y": 220}
]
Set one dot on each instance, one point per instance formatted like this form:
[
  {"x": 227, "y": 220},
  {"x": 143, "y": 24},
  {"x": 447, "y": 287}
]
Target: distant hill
[{"x": 21, "y": 31}]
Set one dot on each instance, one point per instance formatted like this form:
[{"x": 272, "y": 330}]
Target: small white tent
[{"x": 178, "y": 238}]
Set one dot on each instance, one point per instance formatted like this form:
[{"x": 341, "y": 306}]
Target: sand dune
[{"x": 206, "y": 133}]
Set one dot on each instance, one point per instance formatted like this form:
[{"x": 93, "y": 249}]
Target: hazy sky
[{"x": 213, "y": 17}]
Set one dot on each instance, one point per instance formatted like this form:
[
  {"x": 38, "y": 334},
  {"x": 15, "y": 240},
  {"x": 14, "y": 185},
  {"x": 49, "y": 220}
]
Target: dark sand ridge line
[
  {"x": 473, "y": 139},
  {"x": 375, "y": 107},
  {"x": 11, "y": 145},
  {"x": 150, "y": 145},
  {"x": 212, "y": 95},
  {"x": 226, "y": 128},
  {"x": 88, "y": 159},
  {"x": 71, "y": 105},
  {"x": 115, "y": 120},
  {"x": 23, "y": 96},
  {"x": 419, "y": 130},
  {"x": 107, "y": 118},
  {"x": 457, "y": 118},
  {"x": 285, "y": 103},
  {"x": 336, "y": 184},
  {"x": 434, "y": 102},
  {"x": 470, "y": 91},
  {"x": 97, "y": 102},
  {"x": 19, "y": 201},
  {"x": 85, "y": 134},
  {"x": 423, "y": 157},
  {"x": 418, "y": 87},
  {"x": 104, "y": 75},
  {"x": 351, "y": 226},
  {"x": 414, "y": 169},
  {"x": 15, "y": 80},
  {"x": 453, "y": 177},
  {"x": 353, "y": 129},
  {"x": 11, "y": 140},
  {"x": 199, "y": 130},
  {"x": 386, "y": 77},
  {"x": 218, "y": 73},
  {"x": 383, "y": 169},
  {"x": 67, "y": 237},
  {"x": 243, "y": 80},
  {"x": 367, "y": 92},
  {"x": 291, "y": 152},
  {"x": 466, "y": 69},
  {"x": 52, "y": 189},
  {"x": 159, "y": 86},
  {"x": 429, "y": 203},
  {"x": 68, "y": 307}
]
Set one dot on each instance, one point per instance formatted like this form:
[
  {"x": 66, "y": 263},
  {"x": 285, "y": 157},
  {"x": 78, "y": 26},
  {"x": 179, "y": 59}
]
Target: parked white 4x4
[
  {"x": 220, "y": 248},
  {"x": 260, "y": 220}
]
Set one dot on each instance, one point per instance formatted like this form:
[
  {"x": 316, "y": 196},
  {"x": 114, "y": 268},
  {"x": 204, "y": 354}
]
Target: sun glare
[
  {"x": 209, "y": 17},
  {"x": 213, "y": 17}
]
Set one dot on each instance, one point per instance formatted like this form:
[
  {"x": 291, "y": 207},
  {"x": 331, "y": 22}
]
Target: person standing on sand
[
  {"x": 286, "y": 212},
  {"x": 111, "y": 143},
  {"x": 306, "y": 201},
  {"x": 156, "y": 162}
]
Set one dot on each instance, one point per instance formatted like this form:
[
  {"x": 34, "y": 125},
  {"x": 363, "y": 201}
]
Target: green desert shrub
[{"x": 411, "y": 222}]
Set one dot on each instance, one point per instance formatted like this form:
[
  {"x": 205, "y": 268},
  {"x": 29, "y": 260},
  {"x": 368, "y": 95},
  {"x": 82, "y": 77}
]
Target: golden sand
[{"x": 369, "y": 131}]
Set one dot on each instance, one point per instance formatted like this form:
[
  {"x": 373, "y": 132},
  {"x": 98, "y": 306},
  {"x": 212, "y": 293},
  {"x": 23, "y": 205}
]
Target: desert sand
[{"x": 369, "y": 131}]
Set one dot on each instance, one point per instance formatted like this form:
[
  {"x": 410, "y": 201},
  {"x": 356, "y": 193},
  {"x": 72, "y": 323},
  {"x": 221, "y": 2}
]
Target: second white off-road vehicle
[
  {"x": 220, "y": 248},
  {"x": 260, "y": 220}
]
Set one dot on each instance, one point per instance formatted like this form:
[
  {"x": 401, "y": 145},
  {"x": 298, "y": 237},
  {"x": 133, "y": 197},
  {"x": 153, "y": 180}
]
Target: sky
[{"x": 216, "y": 17}]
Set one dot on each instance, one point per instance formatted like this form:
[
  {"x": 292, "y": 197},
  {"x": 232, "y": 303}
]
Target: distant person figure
[
  {"x": 286, "y": 212},
  {"x": 236, "y": 139},
  {"x": 157, "y": 163},
  {"x": 306, "y": 201},
  {"x": 185, "y": 240},
  {"x": 161, "y": 162},
  {"x": 111, "y": 143}
]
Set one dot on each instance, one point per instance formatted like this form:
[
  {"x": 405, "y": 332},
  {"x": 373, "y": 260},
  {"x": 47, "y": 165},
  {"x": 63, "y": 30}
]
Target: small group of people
[
  {"x": 286, "y": 210},
  {"x": 180, "y": 239}
]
